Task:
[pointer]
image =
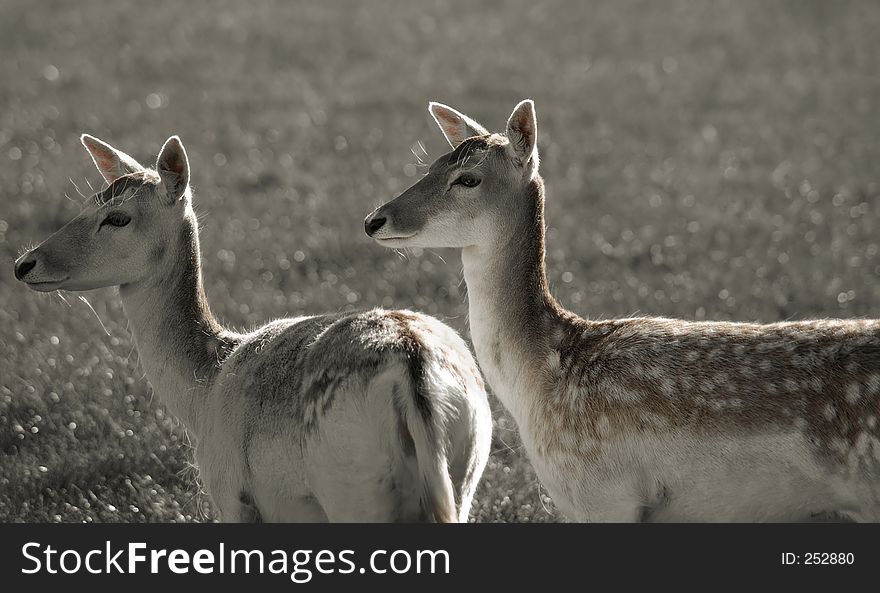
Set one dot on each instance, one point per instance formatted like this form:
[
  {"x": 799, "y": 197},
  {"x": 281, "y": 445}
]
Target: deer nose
[
  {"x": 371, "y": 224},
  {"x": 25, "y": 265}
]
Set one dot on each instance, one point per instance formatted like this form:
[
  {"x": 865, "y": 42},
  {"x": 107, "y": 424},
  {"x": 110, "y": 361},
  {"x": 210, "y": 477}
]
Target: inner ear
[
  {"x": 111, "y": 163},
  {"x": 522, "y": 131},
  {"x": 173, "y": 168},
  {"x": 456, "y": 126}
]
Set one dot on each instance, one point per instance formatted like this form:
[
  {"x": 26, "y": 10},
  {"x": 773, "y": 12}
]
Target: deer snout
[
  {"x": 373, "y": 223},
  {"x": 24, "y": 265}
]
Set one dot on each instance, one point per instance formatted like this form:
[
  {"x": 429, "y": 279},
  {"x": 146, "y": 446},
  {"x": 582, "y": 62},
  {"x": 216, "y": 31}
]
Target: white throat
[
  {"x": 171, "y": 377},
  {"x": 502, "y": 342},
  {"x": 179, "y": 344}
]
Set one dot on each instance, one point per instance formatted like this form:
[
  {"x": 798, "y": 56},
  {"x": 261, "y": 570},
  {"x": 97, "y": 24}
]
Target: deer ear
[
  {"x": 112, "y": 163},
  {"x": 522, "y": 131},
  {"x": 173, "y": 168},
  {"x": 456, "y": 127}
]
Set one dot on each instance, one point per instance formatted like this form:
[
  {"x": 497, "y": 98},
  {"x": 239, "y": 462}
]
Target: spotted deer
[
  {"x": 373, "y": 416},
  {"x": 642, "y": 418}
]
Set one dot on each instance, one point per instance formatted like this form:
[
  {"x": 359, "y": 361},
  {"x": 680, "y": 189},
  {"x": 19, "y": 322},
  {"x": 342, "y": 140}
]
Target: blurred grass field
[{"x": 703, "y": 160}]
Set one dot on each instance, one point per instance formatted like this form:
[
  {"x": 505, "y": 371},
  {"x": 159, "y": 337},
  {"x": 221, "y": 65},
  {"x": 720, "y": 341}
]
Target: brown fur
[
  {"x": 822, "y": 377},
  {"x": 706, "y": 376}
]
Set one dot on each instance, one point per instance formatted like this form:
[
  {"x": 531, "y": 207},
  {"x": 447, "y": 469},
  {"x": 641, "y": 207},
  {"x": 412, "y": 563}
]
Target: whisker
[
  {"x": 89, "y": 305},
  {"x": 415, "y": 154},
  {"x": 77, "y": 188},
  {"x": 63, "y": 299},
  {"x": 437, "y": 255},
  {"x": 25, "y": 248}
]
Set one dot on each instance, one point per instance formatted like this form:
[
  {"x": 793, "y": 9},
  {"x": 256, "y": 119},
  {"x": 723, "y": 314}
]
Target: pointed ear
[
  {"x": 457, "y": 127},
  {"x": 112, "y": 163},
  {"x": 173, "y": 168},
  {"x": 522, "y": 131}
]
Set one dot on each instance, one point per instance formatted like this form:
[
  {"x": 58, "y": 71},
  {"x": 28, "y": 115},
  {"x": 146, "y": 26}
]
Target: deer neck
[
  {"x": 180, "y": 344},
  {"x": 512, "y": 315}
]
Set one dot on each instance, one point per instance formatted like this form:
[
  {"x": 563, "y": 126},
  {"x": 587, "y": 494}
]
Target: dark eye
[
  {"x": 117, "y": 219},
  {"x": 468, "y": 180}
]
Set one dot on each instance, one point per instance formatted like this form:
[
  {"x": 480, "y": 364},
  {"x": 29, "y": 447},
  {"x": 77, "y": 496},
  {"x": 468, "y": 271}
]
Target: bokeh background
[{"x": 703, "y": 160}]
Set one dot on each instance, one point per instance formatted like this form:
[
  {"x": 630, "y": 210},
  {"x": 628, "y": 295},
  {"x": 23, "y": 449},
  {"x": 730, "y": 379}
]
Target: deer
[
  {"x": 644, "y": 418},
  {"x": 375, "y": 416}
]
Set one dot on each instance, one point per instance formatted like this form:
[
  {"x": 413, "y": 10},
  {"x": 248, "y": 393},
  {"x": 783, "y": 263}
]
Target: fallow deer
[
  {"x": 373, "y": 416},
  {"x": 642, "y": 418}
]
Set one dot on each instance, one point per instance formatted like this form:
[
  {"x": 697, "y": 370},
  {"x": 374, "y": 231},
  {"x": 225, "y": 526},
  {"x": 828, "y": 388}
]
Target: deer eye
[
  {"x": 117, "y": 219},
  {"x": 468, "y": 180}
]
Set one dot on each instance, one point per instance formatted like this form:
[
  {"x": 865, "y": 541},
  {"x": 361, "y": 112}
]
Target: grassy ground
[{"x": 713, "y": 160}]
